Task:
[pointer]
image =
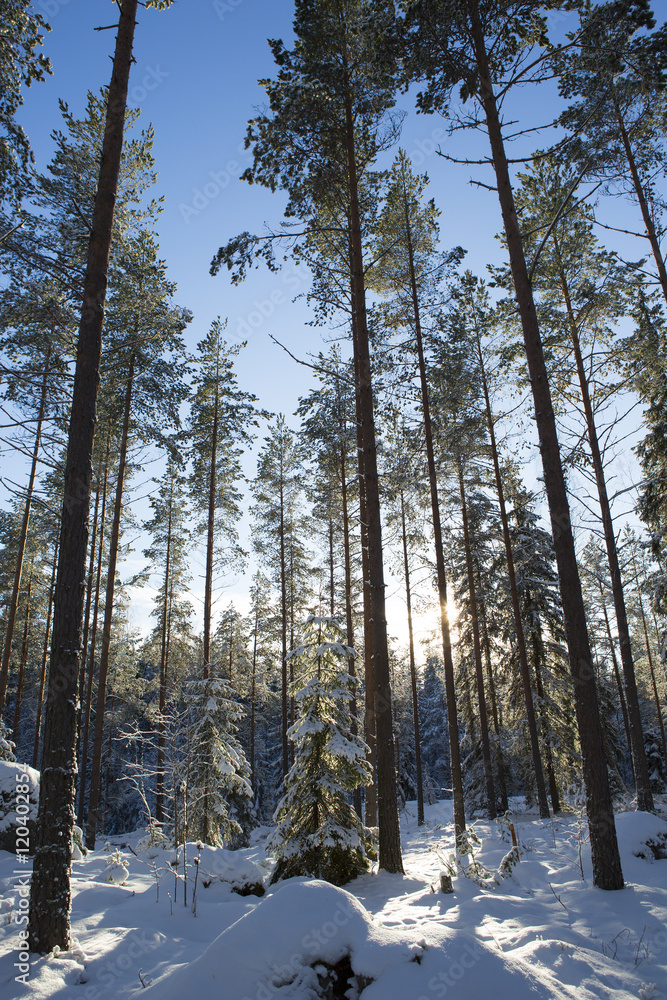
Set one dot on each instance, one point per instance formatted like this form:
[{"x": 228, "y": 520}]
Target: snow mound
[
  {"x": 14, "y": 777},
  {"x": 297, "y": 924},
  {"x": 275, "y": 950},
  {"x": 229, "y": 867},
  {"x": 641, "y": 833}
]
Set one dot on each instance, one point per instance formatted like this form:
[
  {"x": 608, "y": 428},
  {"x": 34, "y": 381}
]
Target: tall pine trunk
[
  {"x": 370, "y": 810},
  {"x": 86, "y": 617},
  {"x": 24, "y": 660},
  {"x": 23, "y": 536},
  {"x": 88, "y": 665},
  {"x": 413, "y": 670},
  {"x": 283, "y": 628},
  {"x": 540, "y": 787},
  {"x": 45, "y": 657},
  {"x": 164, "y": 631},
  {"x": 349, "y": 620},
  {"x": 477, "y": 649},
  {"x": 210, "y": 529},
  {"x": 607, "y": 873},
  {"x": 94, "y": 810},
  {"x": 617, "y": 675},
  {"x": 643, "y": 784},
  {"x": 450, "y": 687},
  {"x": 50, "y": 892},
  {"x": 390, "y": 858},
  {"x": 495, "y": 715},
  {"x": 649, "y": 225},
  {"x": 649, "y": 657}
]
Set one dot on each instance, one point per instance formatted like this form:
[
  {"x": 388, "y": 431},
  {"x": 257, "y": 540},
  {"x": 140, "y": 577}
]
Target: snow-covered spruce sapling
[
  {"x": 318, "y": 831},
  {"x": 220, "y": 797}
]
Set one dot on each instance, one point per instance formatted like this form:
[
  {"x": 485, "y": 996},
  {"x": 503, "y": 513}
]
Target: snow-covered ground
[{"x": 542, "y": 932}]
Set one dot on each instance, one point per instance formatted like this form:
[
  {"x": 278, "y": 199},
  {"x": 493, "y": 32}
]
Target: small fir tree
[
  {"x": 219, "y": 793},
  {"x": 319, "y": 834}
]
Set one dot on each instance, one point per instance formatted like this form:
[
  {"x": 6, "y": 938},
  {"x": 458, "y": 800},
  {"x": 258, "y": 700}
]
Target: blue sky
[{"x": 195, "y": 79}]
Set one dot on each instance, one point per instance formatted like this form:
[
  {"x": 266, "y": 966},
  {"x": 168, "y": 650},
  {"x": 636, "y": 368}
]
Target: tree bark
[
  {"x": 24, "y": 660},
  {"x": 94, "y": 811},
  {"x": 90, "y": 673},
  {"x": 413, "y": 670},
  {"x": 477, "y": 649},
  {"x": 45, "y": 656},
  {"x": 50, "y": 894},
  {"x": 607, "y": 873},
  {"x": 643, "y": 784},
  {"x": 390, "y": 858},
  {"x": 450, "y": 687},
  {"x": 540, "y": 787},
  {"x": 23, "y": 536}
]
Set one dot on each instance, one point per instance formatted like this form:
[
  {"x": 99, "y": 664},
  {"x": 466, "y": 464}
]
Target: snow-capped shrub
[
  {"x": 154, "y": 837},
  {"x": 116, "y": 870},
  {"x": 79, "y": 850}
]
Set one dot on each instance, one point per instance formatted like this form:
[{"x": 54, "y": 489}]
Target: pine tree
[
  {"x": 170, "y": 539},
  {"x": 20, "y": 64},
  {"x": 578, "y": 284},
  {"x": 319, "y": 833},
  {"x": 411, "y": 268},
  {"x": 144, "y": 342},
  {"x": 616, "y": 66},
  {"x": 435, "y": 747},
  {"x": 221, "y": 419},
  {"x": 476, "y": 44},
  {"x": 278, "y": 539},
  {"x": 329, "y": 117},
  {"x": 50, "y": 893},
  {"x": 646, "y": 351}
]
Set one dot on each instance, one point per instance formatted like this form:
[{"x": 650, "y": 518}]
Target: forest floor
[{"x": 542, "y": 931}]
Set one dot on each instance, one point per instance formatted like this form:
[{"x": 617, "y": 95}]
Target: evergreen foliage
[
  {"x": 318, "y": 832},
  {"x": 216, "y": 771}
]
